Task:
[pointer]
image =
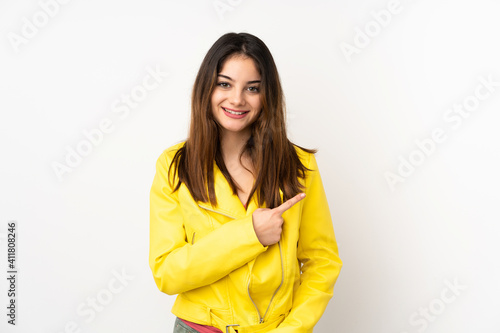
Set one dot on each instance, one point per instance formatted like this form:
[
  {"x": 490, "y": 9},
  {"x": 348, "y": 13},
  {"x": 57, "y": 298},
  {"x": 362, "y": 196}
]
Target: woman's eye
[
  {"x": 253, "y": 89},
  {"x": 223, "y": 84}
]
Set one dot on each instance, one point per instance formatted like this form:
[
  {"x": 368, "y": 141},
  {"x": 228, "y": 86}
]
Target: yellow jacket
[{"x": 211, "y": 257}]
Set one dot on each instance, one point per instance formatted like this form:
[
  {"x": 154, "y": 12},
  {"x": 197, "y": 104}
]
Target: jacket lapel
[{"x": 228, "y": 204}]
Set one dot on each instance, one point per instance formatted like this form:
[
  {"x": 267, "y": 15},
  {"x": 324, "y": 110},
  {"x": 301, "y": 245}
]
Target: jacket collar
[{"x": 228, "y": 204}]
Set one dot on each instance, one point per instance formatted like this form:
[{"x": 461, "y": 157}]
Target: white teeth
[{"x": 233, "y": 112}]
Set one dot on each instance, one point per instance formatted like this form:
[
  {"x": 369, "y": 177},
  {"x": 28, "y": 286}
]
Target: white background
[{"x": 402, "y": 246}]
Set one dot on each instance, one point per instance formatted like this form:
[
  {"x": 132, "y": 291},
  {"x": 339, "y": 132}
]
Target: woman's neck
[
  {"x": 232, "y": 144},
  {"x": 241, "y": 170}
]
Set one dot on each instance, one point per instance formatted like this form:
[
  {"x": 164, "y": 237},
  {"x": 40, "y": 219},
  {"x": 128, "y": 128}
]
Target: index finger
[{"x": 289, "y": 203}]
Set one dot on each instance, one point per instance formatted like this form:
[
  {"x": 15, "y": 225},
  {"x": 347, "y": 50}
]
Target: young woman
[{"x": 240, "y": 225}]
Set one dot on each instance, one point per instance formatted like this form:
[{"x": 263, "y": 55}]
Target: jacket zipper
[{"x": 261, "y": 318}]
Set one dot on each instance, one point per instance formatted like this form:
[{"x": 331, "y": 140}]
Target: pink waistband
[{"x": 202, "y": 328}]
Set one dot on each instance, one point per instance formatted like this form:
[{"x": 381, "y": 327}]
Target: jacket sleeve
[
  {"x": 317, "y": 252},
  {"x": 179, "y": 266}
]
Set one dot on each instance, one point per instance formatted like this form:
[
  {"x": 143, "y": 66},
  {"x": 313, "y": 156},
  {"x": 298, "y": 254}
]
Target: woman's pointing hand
[{"x": 268, "y": 223}]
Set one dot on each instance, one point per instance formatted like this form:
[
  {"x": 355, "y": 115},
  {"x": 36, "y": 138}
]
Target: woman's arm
[
  {"x": 179, "y": 266},
  {"x": 318, "y": 253}
]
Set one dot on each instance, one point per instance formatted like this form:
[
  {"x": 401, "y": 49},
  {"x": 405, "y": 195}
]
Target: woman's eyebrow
[{"x": 249, "y": 82}]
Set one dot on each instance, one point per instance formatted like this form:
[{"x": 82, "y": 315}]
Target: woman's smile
[{"x": 235, "y": 114}]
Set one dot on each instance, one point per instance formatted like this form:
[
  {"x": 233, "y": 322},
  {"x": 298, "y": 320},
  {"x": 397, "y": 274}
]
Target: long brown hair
[{"x": 275, "y": 160}]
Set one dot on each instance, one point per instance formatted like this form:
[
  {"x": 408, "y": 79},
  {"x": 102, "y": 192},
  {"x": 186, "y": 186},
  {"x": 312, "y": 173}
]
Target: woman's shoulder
[
  {"x": 306, "y": 156},
  {"x": 167, "y": 156},
  {"x": 170, "y": 152}
]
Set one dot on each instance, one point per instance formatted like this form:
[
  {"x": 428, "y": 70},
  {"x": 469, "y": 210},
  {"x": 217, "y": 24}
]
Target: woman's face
[{"x": 236, "y": 101}]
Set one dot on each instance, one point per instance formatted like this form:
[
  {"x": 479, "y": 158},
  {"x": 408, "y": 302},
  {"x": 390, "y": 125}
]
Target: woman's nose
[{"x": 236, "y": 97}]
